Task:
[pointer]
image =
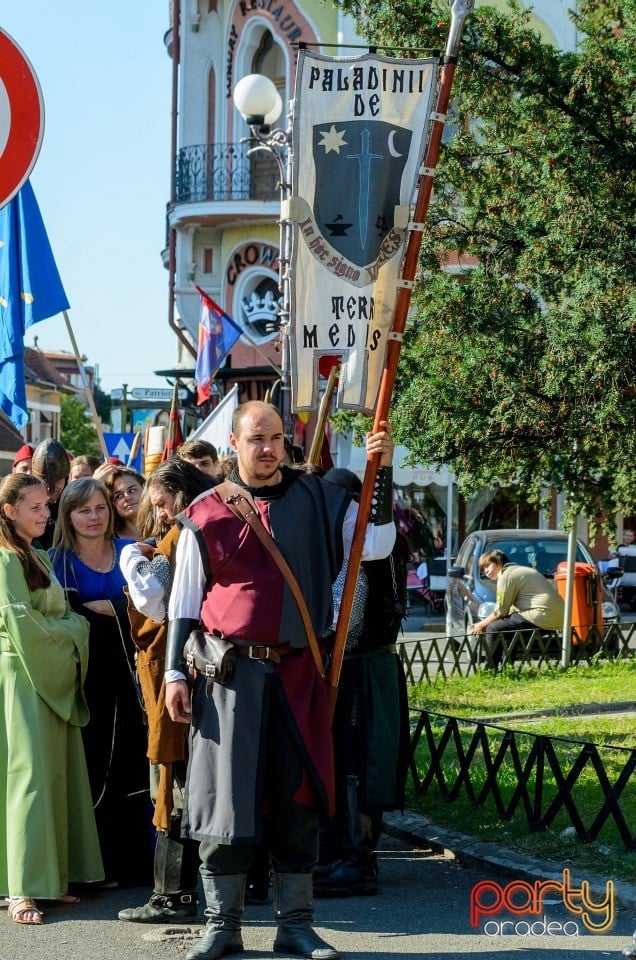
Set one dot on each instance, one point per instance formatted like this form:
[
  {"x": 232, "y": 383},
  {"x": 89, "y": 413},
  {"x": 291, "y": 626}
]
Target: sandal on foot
[
  {"x": 65, "y": 898},
  {"x": 21, "y": 907}
]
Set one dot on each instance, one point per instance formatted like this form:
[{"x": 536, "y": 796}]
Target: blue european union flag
[{"x": 30, "y": 291}]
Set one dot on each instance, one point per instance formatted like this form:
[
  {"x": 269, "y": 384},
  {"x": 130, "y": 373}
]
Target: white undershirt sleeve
[
  {"x": 146, "y": 592},
  {"x": 378, "y": 540},
  {"x": 188, "y": 585},
  {"x": 186, "y": 595}
]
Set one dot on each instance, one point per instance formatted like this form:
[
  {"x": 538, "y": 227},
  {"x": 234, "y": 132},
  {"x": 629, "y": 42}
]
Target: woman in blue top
[{"x": 85, "y": 557}]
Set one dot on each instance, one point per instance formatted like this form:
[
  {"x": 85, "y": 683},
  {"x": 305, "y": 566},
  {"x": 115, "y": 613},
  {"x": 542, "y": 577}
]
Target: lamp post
[{"x": 259, "y": 103}]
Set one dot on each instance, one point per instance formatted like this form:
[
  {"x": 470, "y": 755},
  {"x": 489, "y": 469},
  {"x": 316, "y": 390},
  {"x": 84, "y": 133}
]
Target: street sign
[
  {"x": 21, "y": 118},
  {"x": 117, "y": 394},
  {"x": 157, "y": 393}
]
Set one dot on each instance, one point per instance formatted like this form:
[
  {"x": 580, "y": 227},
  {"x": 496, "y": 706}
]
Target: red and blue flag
[{"x": 217, "y": 335}]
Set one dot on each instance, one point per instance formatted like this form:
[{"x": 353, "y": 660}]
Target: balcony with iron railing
[{"x": 225, "y": 172}]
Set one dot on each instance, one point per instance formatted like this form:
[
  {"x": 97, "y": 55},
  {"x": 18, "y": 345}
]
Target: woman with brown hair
[
  {"x": 85, "y": 557},
  {"x": 125, "y": 487},
  {"x": 47, "y": 827}
]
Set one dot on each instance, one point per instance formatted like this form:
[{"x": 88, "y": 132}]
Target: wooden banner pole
[
  {"x": 323, "y": 416},
  {"x": 459, "y": 12},
  {"x": 89, "y": 392}
]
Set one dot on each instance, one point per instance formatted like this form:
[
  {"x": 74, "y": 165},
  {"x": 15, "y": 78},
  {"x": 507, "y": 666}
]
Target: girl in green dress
[{"x": 47, "y": 826}]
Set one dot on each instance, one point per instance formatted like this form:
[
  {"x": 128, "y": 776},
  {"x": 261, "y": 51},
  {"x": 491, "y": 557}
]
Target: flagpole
[
  {"x": 323, "y": 415},
  {"x": 89, "y": 393},
  {"x": 277, "y": 370},
  {"x": 459, "y": 12},
  {"x": 250, "y": 95},
  {"x": 173, "y": 441}
]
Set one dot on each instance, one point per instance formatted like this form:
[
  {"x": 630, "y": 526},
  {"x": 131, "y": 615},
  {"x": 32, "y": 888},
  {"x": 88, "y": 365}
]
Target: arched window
[{"x": 269, "y": 60}]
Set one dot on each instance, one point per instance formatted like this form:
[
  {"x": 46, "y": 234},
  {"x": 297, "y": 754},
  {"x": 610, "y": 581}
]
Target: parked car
[{"x": 470, "y": 596}]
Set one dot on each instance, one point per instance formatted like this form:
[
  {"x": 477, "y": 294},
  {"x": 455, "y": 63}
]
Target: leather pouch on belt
[{"x": 211, "y": 656}]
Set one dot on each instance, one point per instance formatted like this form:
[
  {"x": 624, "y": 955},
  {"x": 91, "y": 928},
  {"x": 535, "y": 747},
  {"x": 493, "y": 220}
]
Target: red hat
[
  {"x": 116, "y": 461},
  {"x": 24, "y": 453}
]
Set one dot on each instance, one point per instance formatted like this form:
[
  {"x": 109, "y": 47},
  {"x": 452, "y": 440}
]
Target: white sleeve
[
  {"x": 378, "y": 540},
  {"x": 146, "y": 592},
  {"x": 188, "y": 584}
]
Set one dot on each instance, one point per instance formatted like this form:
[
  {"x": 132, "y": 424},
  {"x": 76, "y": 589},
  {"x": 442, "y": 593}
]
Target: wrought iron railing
[
  {"x": 441, "y": 657},
  {"x": 547, "y": 771},
  {"x": 224, "y": 171}
]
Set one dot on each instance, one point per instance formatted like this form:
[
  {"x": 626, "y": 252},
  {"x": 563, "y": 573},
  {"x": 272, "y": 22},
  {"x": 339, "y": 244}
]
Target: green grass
[
  {"x": 613, "y": 730},
  {"x": 487, "y": 693},
  {"x": 507, "y": 692}
]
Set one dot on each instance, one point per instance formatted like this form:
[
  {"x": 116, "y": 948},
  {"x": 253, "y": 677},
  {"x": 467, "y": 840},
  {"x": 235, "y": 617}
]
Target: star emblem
[{"x": 332, "y": 139}]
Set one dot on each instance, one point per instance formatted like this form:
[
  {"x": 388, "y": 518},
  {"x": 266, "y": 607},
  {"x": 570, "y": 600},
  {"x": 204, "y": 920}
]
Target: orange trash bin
[{"x": 587, "y": 608}]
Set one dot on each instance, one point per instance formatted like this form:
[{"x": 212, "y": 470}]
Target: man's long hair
[{"x": 179, "y": 478}]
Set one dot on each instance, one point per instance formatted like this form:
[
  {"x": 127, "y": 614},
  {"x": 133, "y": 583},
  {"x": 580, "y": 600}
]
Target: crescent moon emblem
[{"x": 391, "y": 145}]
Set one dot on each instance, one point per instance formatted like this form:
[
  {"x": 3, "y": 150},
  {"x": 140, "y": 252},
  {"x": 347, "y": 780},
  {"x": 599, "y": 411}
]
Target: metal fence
[
  {"x": 532, "y": 773},
  {"x": 545, "y": 773},
  {"x": 224, "y": 171},
  {"x": 442, "y": 657}
]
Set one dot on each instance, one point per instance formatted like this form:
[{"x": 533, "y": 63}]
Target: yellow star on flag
[{"x": 332, "y": 139}]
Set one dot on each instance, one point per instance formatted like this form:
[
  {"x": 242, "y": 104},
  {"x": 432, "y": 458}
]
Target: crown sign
[{"x": 262, "y": 313}]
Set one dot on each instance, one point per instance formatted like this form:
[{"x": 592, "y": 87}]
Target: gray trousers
[{"x": 291, "y": 829}]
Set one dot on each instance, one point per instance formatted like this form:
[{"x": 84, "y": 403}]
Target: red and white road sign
[{"x": 21, "y": 118}]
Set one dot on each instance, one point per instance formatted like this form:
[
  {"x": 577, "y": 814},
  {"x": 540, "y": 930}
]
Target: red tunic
[{"x": 247, "y": 598}]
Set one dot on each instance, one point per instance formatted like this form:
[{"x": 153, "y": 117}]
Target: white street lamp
[
  {"x": 255, "y": 97},
  {"x": 259, "y": 103}
]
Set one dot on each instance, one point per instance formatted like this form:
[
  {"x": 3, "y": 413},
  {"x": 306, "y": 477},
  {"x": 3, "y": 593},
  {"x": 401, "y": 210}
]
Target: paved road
[{"x": 421, "y": 913}]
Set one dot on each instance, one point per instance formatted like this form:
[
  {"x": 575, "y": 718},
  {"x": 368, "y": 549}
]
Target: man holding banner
[{"x": 262, "y": 741}]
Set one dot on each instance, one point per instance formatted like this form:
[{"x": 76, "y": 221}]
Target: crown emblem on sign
[{"x": 262, "y": 313}]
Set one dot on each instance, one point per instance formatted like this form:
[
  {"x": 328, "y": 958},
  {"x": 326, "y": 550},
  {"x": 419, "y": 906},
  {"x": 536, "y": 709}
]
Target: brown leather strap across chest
[{"x": 239, "y": 501}]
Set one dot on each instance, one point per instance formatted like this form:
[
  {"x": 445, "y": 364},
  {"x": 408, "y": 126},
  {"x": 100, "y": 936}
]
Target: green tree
[
  {"x": 78, "y": 433},
  {"x": 524, "y": 369}
]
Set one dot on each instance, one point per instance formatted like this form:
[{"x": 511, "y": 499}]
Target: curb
[
  {"x": 417, "y": 829},
  {"x": 578, "y": 710}
]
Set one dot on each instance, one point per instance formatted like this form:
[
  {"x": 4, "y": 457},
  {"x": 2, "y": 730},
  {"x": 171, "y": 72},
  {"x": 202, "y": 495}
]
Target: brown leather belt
[{"x": 263, "y": 652}]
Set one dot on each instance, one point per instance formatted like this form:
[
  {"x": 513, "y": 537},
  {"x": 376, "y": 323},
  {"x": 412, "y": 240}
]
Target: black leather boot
[
  {"x": 354, "y": 870},
  {"x": 176, "y": 864},
  {"x": 224, "y": 897},
  {"x": 293, "y": 909},
  {"x": 257, "y": 886},
  {"x": 348, "y": 876},
  {"x": 163, "y": 908}
]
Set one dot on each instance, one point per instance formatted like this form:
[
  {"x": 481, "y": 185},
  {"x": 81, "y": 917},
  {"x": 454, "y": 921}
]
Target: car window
[
  {"x": 466, "y": 552},
  {"x": 543, "y": 553}
]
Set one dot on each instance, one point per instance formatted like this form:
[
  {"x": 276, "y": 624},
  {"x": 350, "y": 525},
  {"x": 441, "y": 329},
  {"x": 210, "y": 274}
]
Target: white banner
[
  {"x": 217, "y": 427},
  {"x": 359, "y": 132}
]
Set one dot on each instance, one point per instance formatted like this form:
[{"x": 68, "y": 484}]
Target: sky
[{"x": 102, "y": 178}]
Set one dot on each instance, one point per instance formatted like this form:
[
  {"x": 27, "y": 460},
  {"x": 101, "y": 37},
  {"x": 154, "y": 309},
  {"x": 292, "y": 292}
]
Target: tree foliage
[
  {"x": 77, "y": 432},
  {"x": 524, "y": 368}
]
